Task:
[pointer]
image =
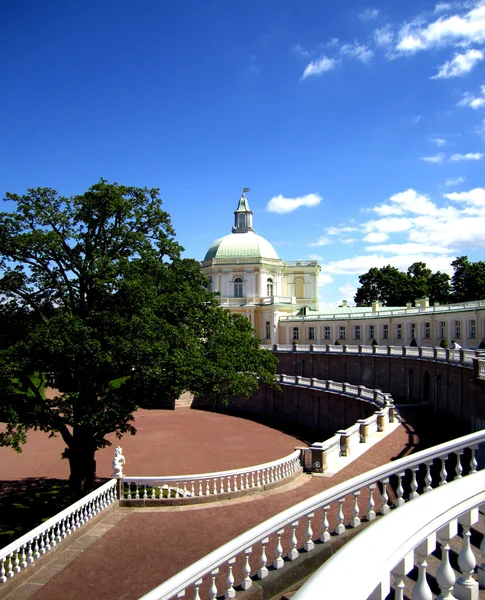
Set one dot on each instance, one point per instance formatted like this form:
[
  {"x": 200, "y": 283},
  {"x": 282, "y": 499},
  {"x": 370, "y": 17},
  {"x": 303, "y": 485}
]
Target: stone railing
[
  {"x": 377, "y": 397},
  {"x": 296, "y": 529},
  {"x": 29, "y": 547},
  {"x": 463, "y": 357},
  {"x": 184, "y": 489},
  {"x": 404, "y": 538}
]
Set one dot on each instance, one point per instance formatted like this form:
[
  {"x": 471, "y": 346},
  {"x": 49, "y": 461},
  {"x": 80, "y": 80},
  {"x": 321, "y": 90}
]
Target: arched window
[
  {"x": 238, "y": 287},
  {"x": 269, "y": 287},
  {"x": 242, "y": 220}
]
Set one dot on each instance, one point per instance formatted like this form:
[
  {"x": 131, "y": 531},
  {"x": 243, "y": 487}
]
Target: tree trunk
[{"x": 80, "y": 454}]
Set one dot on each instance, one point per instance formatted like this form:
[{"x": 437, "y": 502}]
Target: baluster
[
  {"x": 246, "y": 582},
  {"x": 30, "y": 554},
  {"x": 137, "y": 493},
  {"x": 23, "y": 561},
  {"x": 340, "y": 527},
  {"x": 400, "y": 490},
  {"x": 200, "y": 488},
  {"x": 443, "y": 472},
  {"x": 445, "y": 576},
  {"x": 42, "y": 549},
  {"x": 160, "y": 492},
  {"x": 252, "y": 479},
  {"x": 184, "y": 492},
  {"x": 16, "y": 563},
  {"x": 355, "y": 521},
  {"x": 128, "y": 487},
  {"x": 371, "y": 513},
  {"x": 458, "y": 468},
  {"x": 422, "y": 590},
  {"x": 466, "y": 587},
  {"x": 234, "y": 483},
  {"x": 228, "y": 480},
  {"x": 177, "y": 489},
  {"x": 36, "y": 548},
  {"x": 399, "y": 573},
  {"x": 385, "y": 508},
  {"x": 247, "y": 480},
  {"x": 53, "y": 542},
  {"x": 145, "y": 494},
  {"x": 214, "y": 489},
  {"x": 213, "y": 588},
  {"x": 293, "y": 551},
  {"x": 414, "y": 484},
  {"x": 427, "y": 478},
  {"x": 473, "y": 459},
  {"x": 263, "y": 559},
  {"x": 153, "y": 494},
  {"x": 230, "y": 591},
  {"x": 221, "y": 486},
  {"x": 241, "y": 481},
  {"x": 309, "y": 544},
  {"x": 197, "y": 585},
  {"x": 278, "y": 562},
  {"x": 325, "y": 535},
  {"x": 64, "y": 533},
  {"x": 9, "y": 566},
  {"x": 3, "y": 573}
]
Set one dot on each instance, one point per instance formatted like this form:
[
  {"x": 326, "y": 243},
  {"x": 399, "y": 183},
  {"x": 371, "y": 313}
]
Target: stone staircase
[{"x": 184, "y": 400}]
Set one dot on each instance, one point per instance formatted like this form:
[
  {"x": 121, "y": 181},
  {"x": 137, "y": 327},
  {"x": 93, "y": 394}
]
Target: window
[
  {"x": 209, "y": 285},
  {"x": 268, "y": 330},
  {"x": 427, "y": 330},
  {"x": 357, "y": 332},
  {"x": 372, "y": 331},
  {"x": 341, "y": 334},
  {"x": 457, "y": 329},
  {"x": 472, "y": 328},
  {"x": 242, "y": 220},
  {"x": 442, "y": 327},
  {"x": 296, "y": 333},
  {"x": 326, "y": 333},
  {"x": 269, "y": 287},
  {"x": 311, "y": 333},
  {"x": 412, "y": 330},
  {"x": 238, "y": 287},
  {"x": 385, "y": 332},
  {"x": 399, "y": 331}
]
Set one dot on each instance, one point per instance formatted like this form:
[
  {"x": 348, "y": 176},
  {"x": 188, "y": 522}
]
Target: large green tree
[
  {"x": 97, "y": 303},
  {"x": 468, "y": 281}
]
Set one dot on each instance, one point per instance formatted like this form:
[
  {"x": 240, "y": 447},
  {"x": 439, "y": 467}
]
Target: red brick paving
[{"x": 146, "y": 548}]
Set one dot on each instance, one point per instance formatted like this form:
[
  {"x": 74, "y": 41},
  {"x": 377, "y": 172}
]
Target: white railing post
[
  {"x": 445, "y": 576},
  {"x": 466, "y": 588},
  {"x": 421, "y": 590}
]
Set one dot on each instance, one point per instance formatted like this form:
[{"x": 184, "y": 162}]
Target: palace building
[{"x": 281, "y": 300}]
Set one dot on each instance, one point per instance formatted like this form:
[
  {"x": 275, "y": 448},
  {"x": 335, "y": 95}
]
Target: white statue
[{"x": 117, "y": 464}]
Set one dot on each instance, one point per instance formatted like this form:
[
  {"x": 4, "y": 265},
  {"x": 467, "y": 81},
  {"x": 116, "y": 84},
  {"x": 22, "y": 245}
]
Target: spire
[{"x": 243, "y": 215}]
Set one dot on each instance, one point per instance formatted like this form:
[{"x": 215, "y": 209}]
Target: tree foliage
[{"x": 94, "y": 291}]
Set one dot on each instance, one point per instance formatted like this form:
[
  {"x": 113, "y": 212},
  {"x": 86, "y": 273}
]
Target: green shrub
[
  {"x": 337, "y": 343},
  {"x": 375, "y": 342},
  {"x": 413, "y": 343},
  {"x": 444, "y": 343}
]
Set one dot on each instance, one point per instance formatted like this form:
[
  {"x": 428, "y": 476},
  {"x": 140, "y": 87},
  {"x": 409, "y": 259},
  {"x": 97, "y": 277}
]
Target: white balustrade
[
  {"x": 25, "y": 550},
  {"x": 210, "y": 484},
  {"x": 368, "y": 495},
  {"x": 389, "y": 545}
]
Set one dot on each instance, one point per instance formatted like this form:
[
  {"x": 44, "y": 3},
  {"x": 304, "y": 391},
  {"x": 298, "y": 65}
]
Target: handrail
[
  {"x": 226, "y": 552},
  {"x": 374, "y": 553},
  {"x": 28, "y": 547},
  {"x": 215, "y": 474}
]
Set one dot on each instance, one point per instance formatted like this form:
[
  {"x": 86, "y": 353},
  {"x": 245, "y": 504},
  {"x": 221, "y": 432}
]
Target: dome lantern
[{"x": 243, "y": 215}]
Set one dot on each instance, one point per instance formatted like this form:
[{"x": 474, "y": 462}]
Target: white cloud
[
  {"x": 415, "y": 120},
  {"x": 348, "y": 291},
  {"x": 300, "y": 50},
  {"x": 436, "y": 159},
  {"x": 323, "y": 241},
  {"x": 369, "y": 14},
  {"x": 362, "y": 263},
  {"x": 455, "y": 181},
  {"x": 390, "y": 225},
  {"x": 339, "y": 230},
  {"x": 474, "y": 102},
  {"x": 442, "y": 7},
  {"x": 439, "y": 141},
  {"x": 280, "y": 204},
  {"x": 468, "y": 156},
  {"x": 460, "y": 64},
  {"x": 383, "y": 36},
  {"x": 347, "y": 240},
  {"x": 376, "y": 237},
  {"x": 358, "y": 51},
  {"x": 324, "y": 278},
  {"x": 319, "y": 66},
  {"x": 409, "y": 248},
  {"x": 412, "y": 201},
  {"x": 475, "y": 197}
]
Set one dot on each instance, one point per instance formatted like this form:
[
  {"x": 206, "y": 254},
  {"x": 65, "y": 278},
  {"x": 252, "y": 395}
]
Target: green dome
[{"x": 241, "y": 245}]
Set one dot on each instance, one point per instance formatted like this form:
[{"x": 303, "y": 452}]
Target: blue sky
[{"x": 359, "y": 126}]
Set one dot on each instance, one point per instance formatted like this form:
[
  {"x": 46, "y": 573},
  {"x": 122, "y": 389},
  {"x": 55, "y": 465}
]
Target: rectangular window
[
  {"x": 311, "y": 333},
  {"x": 326, "y": 333},
  {"x": 296, "y": 333},
  {"x": 371, "y": 332},
  {"x": 268, "y": 330},
  {"x": 357, "y": 332},
  {"x": 341, "y": 333},
  {"x": 472, "y": 329},
  {"x": 457, "y": 329},
  {"x": 412, "y": 330},
  {"x": 385, "y": 332},
  {"x": 442, "y": 329},
  {"x": 427, "y": 331},
  {"x": 399, "y": 331}
]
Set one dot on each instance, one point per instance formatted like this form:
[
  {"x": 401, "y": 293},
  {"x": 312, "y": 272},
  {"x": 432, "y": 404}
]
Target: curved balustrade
[
  {"x": 404, "y": 538},
  {"x": 28, "y": 548},
  {"x": 463, "y": 357},
  {"x": 377, "y": 397},
  {"x": 210, "y": 484},
  {"x": 300, "y": 527}
]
